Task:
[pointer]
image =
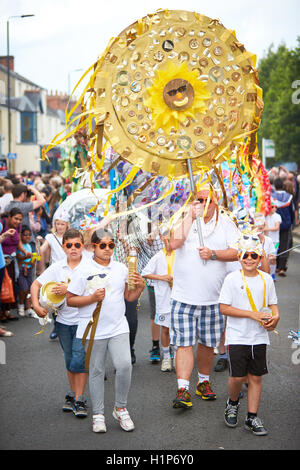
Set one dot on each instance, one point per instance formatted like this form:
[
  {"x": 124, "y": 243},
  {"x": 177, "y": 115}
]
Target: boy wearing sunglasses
[
  {"x": 244, "y": 296},
  {"x": 67, "y": 319},
  {"x": 105, "y": 281}
]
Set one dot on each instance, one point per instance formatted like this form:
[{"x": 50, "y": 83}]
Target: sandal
[
  {"x": 282, "y": 273},
  {"x": 12, "y": 318},
  {"x": 5, "y": 333}
]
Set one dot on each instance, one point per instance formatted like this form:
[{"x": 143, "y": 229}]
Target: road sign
[
  {"x": 268, "y": 149},
  {"x": 11, "y": 156}
]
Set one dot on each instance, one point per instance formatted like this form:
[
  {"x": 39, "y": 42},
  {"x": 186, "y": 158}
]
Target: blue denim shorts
[{"x": 73, "y": 350}]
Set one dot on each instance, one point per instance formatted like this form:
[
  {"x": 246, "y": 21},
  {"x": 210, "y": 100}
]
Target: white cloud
[{"x": 69, "y": 34}]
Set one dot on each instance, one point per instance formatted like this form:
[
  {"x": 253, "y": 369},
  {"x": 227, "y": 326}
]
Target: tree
[{"x": 281, "y": 116}]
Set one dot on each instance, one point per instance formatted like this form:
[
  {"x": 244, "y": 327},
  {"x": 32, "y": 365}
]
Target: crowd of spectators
[{"x": 29, "y": 200}]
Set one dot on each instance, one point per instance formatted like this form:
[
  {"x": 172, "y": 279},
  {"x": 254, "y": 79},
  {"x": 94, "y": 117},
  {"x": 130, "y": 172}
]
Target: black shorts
[
  {"x": 244, "y": 360},
  {"x": 151, "y": 297}
]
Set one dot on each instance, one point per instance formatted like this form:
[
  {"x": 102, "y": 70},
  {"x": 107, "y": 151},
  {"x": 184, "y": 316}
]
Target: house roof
[{"x": 20, "y": 77}]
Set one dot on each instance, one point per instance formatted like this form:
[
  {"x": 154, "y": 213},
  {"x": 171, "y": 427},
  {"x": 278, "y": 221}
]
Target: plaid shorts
[{"x": 191, "y": 323}]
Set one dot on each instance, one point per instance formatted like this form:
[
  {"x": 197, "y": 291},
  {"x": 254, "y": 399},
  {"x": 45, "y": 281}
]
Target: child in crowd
[
  {"x": 244, "y": 296},
  {"x": 159, "y": 270},
  {"x": 103, "y": 283},
  {"x": 25, "y": 278},
  {"x": 272, "y": 228},
  {"x": 52, "y": 250},
  {"x": 268, "y": 254},
  {"x": 67, "y": 319}
]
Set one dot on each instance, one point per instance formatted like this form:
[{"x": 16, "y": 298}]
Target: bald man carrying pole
[{"x": 195, "y": 312}]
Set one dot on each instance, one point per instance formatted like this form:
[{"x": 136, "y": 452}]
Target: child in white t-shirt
[
  {"x": 272, "y": 229},
  {"x": 67, "y": 319},
  {"x": 268, "y": 258},
  {"x": 52, "y": 250},
  {"x": 159, "y": 270},
  {"x": 244, "y": 295},
  {"x": 102, "y": 286}
]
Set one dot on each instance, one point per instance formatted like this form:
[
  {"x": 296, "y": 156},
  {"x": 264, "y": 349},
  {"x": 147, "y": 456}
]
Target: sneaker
[
  {"x": 183, "y": 399},
  {"x": 124, "y": 419},
  {"x": 155, "y": 355},
  {"x": 204, "y": 391},
  {"x": 80, "y": 407},
  {"x": 21, "y": 310},
  {"x": 221, "y": 365},
  {"x": 29, "y": 313},
  {"x": 256, "y": 426},
  {"x": 69, "y": 404},
  {"x": 166, "y": 365},
  {"x": 99, "y": 423},
  {"x": 231, "y": 414},
  {"x": 53, "y": 335}
]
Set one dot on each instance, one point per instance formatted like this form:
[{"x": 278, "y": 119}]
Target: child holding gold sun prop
[
  {"x": 59, "y": 274},
  {"x": 248, "y": 298}
]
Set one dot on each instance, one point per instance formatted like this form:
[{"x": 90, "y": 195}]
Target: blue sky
[{"x": 66, "y": 35}]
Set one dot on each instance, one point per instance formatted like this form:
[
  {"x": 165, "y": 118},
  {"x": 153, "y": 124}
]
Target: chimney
[{"x": 3, "y": 61}]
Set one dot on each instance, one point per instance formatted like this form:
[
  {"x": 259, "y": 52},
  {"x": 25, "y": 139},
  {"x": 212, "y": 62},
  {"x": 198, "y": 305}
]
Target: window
[{"x": 28, "y": 127}]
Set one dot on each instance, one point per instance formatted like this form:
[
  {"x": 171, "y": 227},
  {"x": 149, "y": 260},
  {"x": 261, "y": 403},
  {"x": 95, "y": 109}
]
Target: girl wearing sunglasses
[
  {"x": 67, "y": 319},
  {"x": 104, "y": 282},
  {"x": 244, "y": 296}
]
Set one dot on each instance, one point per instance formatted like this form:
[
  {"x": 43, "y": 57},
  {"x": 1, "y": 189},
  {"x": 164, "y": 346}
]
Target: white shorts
[{"x": 163, "y": 319}]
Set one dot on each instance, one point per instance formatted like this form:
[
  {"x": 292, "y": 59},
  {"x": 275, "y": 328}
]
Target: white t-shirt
[
  {"x": 4, "y": 201},
  {"x": 113, "y": 278},
  {"x": 61, "y": 272},
  {"x": 271, "y": 221},
  {"x": 56, "y": 251},
  {"x": 196, "y": 283},
  {"x": 162, "y": 290},
  {"x": 233, "y": 292},
  {"x": 268, "y": 246}
]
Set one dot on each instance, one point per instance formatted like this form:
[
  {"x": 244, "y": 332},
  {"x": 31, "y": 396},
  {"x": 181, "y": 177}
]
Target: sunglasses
[
  {"x": 253, "y": 255},
  {"x": 76, "y": 245},
  {"x": 203, "y": 200},
  {"x": 181, "y": 89},
  {"x": 103, "y": 245}
]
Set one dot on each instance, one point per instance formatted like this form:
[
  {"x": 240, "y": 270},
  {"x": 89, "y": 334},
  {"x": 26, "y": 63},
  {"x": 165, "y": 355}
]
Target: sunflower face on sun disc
[
  {"x": 178, "y": 94},
  {"x": 174, "y": 86}
]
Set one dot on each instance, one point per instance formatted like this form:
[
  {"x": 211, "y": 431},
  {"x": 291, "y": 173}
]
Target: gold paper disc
[{"x": 169, "y": 78}]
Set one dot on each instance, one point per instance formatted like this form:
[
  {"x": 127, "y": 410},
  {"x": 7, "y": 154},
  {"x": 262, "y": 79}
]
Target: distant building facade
[{"x": 36, "y": 117}]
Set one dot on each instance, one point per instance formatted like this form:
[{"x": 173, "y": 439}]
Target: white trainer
[
  {"x": 124, "y": 419},
  {"x": 166, "y": 365},
  {"x": 21, "y": 310},
  {"x": 99, "y": 423}
]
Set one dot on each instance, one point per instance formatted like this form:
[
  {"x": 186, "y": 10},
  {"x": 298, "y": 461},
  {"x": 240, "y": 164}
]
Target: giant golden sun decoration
[{"x": 176, "y": 86}]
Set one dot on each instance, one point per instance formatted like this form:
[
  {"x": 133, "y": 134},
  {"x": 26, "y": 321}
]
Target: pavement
[{"x": 33, "y": 384}]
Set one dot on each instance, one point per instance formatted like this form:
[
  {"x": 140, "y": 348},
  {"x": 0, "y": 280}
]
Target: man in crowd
[
  {"x": 199, "y": 272},
  {"x": 19, "y": 193}
]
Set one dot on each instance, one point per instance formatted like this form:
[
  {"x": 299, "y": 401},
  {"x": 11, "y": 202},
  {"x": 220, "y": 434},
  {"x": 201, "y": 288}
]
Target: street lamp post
[
  {"x": 69, "y": 79},
  {"x": 8, "y": 85}
]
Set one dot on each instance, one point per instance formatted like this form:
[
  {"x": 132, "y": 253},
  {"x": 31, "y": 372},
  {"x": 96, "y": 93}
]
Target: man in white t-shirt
[{"x": 199, "y": 273}]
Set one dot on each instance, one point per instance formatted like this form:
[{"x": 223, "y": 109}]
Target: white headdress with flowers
[
  {"x": 62, "y": 214},
  {"x": 248, "y": 241}
]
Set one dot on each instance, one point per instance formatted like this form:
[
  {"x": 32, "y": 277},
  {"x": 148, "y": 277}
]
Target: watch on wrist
[{"x": 213, "y": 255}]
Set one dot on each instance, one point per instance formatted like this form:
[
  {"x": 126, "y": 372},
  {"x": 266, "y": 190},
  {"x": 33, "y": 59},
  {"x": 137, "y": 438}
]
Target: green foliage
[{"x": 281, "y": 116}]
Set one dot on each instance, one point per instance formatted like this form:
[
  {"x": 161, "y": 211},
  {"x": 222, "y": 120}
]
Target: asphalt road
[{"x": 33, "y": 385}]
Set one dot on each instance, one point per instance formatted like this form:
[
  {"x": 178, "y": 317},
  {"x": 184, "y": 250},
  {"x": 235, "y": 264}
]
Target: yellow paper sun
[{"x": 164, "y": 116}]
